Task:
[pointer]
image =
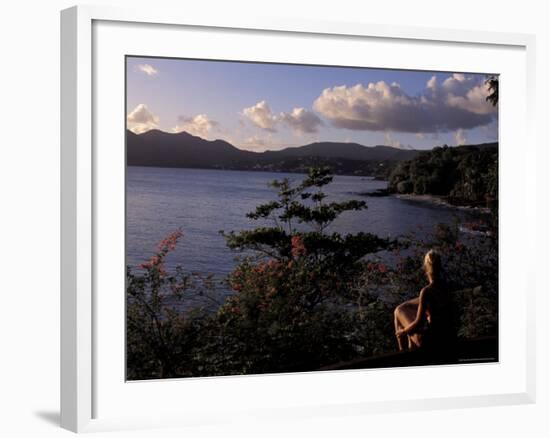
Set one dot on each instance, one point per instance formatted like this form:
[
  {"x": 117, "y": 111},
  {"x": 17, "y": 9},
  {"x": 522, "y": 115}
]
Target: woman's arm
[{"x": 420, "y": 313}]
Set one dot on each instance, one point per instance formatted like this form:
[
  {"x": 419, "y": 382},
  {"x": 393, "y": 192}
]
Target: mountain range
[{"x": 163, "y": 149}]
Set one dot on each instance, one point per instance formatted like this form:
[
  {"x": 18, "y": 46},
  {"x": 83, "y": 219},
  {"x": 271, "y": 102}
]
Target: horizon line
[{"x": 306, "y": 144}]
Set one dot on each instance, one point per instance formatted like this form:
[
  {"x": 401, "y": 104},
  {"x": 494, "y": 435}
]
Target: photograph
[{"x": 289, "y": 218}]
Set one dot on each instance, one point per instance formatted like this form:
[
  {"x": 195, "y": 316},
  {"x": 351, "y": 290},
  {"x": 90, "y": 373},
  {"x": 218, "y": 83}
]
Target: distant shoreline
[
  {"x": 252, "y": 169},
  {"x": 440, "y": 201}
]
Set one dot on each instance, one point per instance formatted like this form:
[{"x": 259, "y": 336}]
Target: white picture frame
[{"x": 85, "y": 375}]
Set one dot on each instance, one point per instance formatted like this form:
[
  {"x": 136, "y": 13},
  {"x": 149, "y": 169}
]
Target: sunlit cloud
[
  {"x": 148, "y": 69},
  {"x": 199, "y": 125},
  {"x": 458, "y": 102},
  {"x": 389, "y": 140},
  {"x": 141, "y": 119},
  {"x": 301, "y": 120},
  {"x": 261, "y": 116},
  {"x": 260, "y": 143},
  {"x": 255, "y": 143},
  {"x": 460, "y": 137}
]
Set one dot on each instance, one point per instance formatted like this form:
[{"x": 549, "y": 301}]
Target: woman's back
[
  {"x": 440, "y": 331},
  {"x": 433, "y": 326}
]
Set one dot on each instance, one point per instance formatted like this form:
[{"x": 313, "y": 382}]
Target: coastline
[
  {"x": 433, "y": 200},
  {"x": 438, "y": 200}
]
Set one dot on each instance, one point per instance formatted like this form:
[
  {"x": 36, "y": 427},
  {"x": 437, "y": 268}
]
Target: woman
[{"x": 426, "y": 321}]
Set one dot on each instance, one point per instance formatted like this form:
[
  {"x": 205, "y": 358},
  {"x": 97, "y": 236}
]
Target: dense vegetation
[
  {"x": 339, "y": 166},
  {"x": 464, "y": 174},
  {"x": 305, "y": 299}
]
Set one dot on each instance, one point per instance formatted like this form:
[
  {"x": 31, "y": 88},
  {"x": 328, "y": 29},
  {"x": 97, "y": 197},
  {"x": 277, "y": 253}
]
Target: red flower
[
  {"x": 297, "y": 246},
  {"x": 153, "y": 262},
  {"x": 164, "y": 247},
  {"x": 169, "y": 242}
]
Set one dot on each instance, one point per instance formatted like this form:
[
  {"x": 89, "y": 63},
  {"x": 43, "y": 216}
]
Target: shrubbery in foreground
[{"x": 306, "y": 299}]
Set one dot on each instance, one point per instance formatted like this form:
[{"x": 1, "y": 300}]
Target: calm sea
[{"x": 203, "y": 202}]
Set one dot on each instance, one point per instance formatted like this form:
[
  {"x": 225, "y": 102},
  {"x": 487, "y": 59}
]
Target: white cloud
[
  {"x": 141, "y": 119},
  {"x": 390, "y": 141},
  {"x": 301, "y": 120},
  {"x": 148, "y": 69},
  {"x": 432, "y": 82},
  {"x": 460, "y": 137},
  {"x": 473, "y": 101},
  {"x": 261, "y": 143},
  {"x": 458, "y": 102},
  {"x": 261, "y": 116},
  {"x": 199, "y": 125},
  {"x": 255, "y": 143}
]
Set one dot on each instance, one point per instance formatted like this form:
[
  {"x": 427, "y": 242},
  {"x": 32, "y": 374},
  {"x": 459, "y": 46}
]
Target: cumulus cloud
[
  {"x": 261, "y": 116},
  {"x": 390, "y": 141},
  {"x": 199, "y": 125},
  {"x": 148, "y": 69},
  {"x": 141, "y": 119},
  {"x": 460, "y": 137},
  {"x": 301, "y": 120},
  {"x": 256, "y": 143},
  {"x": 261, "y": 143},
  {"x": 456, "y": 103}
]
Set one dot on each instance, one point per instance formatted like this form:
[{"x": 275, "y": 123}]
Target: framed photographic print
[{"x": 257, "y": 209}]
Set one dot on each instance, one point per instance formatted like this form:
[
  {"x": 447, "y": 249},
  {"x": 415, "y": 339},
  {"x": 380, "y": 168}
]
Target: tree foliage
[
  {"x": 158, "y": 335},
  {"x": 302, "y": 210},
  {"x": 465, "y": 174},
  {"x": 307, "y": 298},
  {"x": 492, "y": 85}
]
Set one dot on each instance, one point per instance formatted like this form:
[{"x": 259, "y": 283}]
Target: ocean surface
[{"x": 203, "y": 202}]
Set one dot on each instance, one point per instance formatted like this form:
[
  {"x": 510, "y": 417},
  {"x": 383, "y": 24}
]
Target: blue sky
[{"x": 259, "y": 106}]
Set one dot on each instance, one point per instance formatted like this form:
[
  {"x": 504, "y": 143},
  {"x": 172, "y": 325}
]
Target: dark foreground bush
[{"x": 305, "y": 299}]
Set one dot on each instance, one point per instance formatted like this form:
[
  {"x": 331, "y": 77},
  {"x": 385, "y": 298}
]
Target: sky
[{"x": 260, "y": 106}]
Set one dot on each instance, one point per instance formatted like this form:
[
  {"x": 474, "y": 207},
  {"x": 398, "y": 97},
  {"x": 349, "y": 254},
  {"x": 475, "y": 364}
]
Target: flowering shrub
[
  {"x": 303, "y": 300},
  {"x": 285, "y": 316},
  {"x": 470, "y": 265},
  {"x": 293, "y": 297},
  {"x": 159, "y": 336}
]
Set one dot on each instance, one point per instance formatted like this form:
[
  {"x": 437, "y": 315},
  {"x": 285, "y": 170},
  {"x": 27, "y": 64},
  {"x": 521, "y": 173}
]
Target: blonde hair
[{"x": 432, "y": 265}]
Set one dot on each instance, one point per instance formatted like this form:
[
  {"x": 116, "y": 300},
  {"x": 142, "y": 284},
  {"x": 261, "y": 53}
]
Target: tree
[
  {"x": 159, "y": 336},
  {"x": 492, "y": 85},
  {"x": 305, "y": 205},
  {"x": 290, "y": 310},
  {"x": 467, "y": 174}
]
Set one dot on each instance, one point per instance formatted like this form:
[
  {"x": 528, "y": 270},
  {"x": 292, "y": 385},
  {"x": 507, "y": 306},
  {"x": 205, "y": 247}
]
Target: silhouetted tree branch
[{"x": 492, "y": 84}]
